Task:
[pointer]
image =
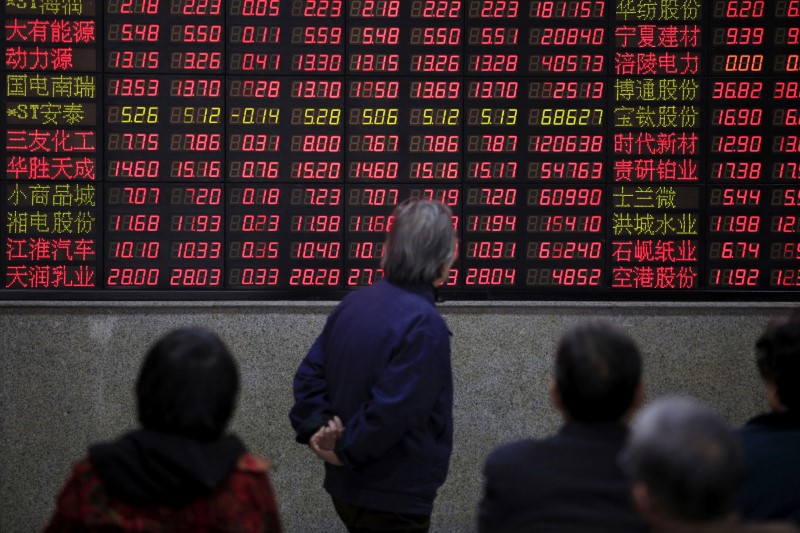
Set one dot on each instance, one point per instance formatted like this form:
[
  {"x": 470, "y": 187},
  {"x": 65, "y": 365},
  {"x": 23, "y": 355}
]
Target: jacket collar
[{"x": 777, "y": 420}]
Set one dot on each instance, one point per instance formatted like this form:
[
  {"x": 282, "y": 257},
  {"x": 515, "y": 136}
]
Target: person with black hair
[
  {"x": 771, "y": 441},
  {"x": 180, "y": 471},
  {"x": 571, "y": 482}
]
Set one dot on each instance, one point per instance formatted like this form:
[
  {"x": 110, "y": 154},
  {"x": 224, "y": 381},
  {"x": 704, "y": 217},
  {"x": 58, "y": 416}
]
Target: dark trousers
[{"x": 361, "y": 520}]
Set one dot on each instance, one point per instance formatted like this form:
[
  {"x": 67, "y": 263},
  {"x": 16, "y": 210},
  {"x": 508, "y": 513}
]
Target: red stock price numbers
[
  {"x": 132, "y": 7},
  {"x": 736, "y": 170},
  {"x": 436, "y": 9},
  {"x": 567, "y": 9},
  {"x": 379, "y": 90},
  {"x": 316, "y": 223},
  {"x": 196, "y": 169},
  {"x": 196, "y": 250},
  {"x": 564, "y": 277},
  {"x": 786, "y": 170},
  {"x": 139, "y": 87},
  {"x": 315, "y": 8},
  {"x": 786, "y": 277},
  {"x": 133, "y": 249},
  {"x": 196, "y": 223},
  {"x": 736, "y": 144},
  {"x": 373, "y": 196},
  {"x": 375, "y": 8},
  {"x": 737, "y": 36},
  {"x": 737, "y": 90},
  {"x": 253, "y": 277},
  {"x": 315, "y": 277},
  {"x": 134, "y": 223},
  {"x": 733, "y": 277},
  {"x": 195, "y": 277},
  {"x": 315, "y": 250},
  {"x": 739, "y": 9},
  {"x": 785, "y": 197},
  {"x": 196, "y": 7},
  {"x": 491, "y": 276},
  {"x": 567, "y": 63},
  {"x": 492, "y": 196},
  {"x": 570, "y": 250},
  {"x": 133, "y": 195},
  {"x": 253, "y": 250},
  {"x": 133, "y": 59},
  {"x": 787, "y": 251},
  {"x": 730, "y": 197},
  {"x": 133, "y": 33},
  {"x": 733, "y": 250},
  {"x": 565, "y": 197},
  {"x": 786, "y": 117},
  {"x": 196, "y": 88},
  {"x": 132, "y": 277},
  {"x": 199, "y": 196},
  {"x": 734, "y": 223},
  {"x": 365, "y": 250},
  {"x": 785, "y": 224},
  {"x": 786, "y": 144},
  {"x": 565, "y": 223},
  {"x": 196, "y": 33},
  {"x": 491, "y": 249},
  {"x": 737, "y": 116}
]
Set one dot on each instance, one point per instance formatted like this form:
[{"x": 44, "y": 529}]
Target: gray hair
[
  {"x": 687, "y": 457},
  {"x": 420, "y": 243}
]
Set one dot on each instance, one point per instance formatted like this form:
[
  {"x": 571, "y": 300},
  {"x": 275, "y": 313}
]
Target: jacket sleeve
[
  {"x": 311, "y": 408},
  {"x": 403, "y": 397}
]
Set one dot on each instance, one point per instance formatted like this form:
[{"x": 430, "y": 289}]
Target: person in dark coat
[
  {"x": 771, "y": 441},
  {"x": 180, "y": 471},
  {"x": 374, "y": 394},
  {"x": 685, "y": 467},
  {"x": 571, "y": 482}
]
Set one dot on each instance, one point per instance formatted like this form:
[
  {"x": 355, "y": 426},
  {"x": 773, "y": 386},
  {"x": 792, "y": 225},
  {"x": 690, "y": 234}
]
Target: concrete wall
[{"x": 67, "y": 374}]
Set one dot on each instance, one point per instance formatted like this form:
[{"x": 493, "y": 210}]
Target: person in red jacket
[{"x": 180, "y": 471}]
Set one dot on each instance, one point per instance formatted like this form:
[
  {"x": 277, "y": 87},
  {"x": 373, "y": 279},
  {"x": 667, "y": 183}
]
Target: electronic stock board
[{"x": 590, "y": 149}]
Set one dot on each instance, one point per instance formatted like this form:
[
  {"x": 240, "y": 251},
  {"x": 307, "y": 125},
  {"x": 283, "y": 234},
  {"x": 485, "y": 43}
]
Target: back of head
[
  {"x": 188, "y": 385},
  {"x": 687, "y": 458},
  {"x": 598, "y": 369},
  {"x": 420, "y": 243},
  {"x": 778, "y": 359}
]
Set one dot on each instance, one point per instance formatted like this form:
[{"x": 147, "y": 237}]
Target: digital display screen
[{"x": 620, "y": 149}]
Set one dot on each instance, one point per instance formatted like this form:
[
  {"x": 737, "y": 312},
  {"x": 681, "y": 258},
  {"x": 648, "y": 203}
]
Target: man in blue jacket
[{"x": 374, "y": 395}]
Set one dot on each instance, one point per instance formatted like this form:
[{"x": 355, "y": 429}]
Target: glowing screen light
[{"x": 613, "y": 148}]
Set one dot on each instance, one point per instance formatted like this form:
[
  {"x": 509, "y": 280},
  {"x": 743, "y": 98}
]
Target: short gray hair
[
  {"x": 687, "y": 457},
  {"x": 420, "y": 243}
]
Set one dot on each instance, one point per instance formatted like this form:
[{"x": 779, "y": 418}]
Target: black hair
[
  {"x": 188, "y": 385},
  {"x": 597, "y": 371},
  {"x": 778, "y": 359}
]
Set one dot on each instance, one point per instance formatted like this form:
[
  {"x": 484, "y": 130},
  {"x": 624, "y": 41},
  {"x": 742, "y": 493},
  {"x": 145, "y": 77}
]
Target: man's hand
[{"x": 324, "y": 440}]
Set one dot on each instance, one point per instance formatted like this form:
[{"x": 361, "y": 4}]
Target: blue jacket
[{"x": 382, "y": 363}]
